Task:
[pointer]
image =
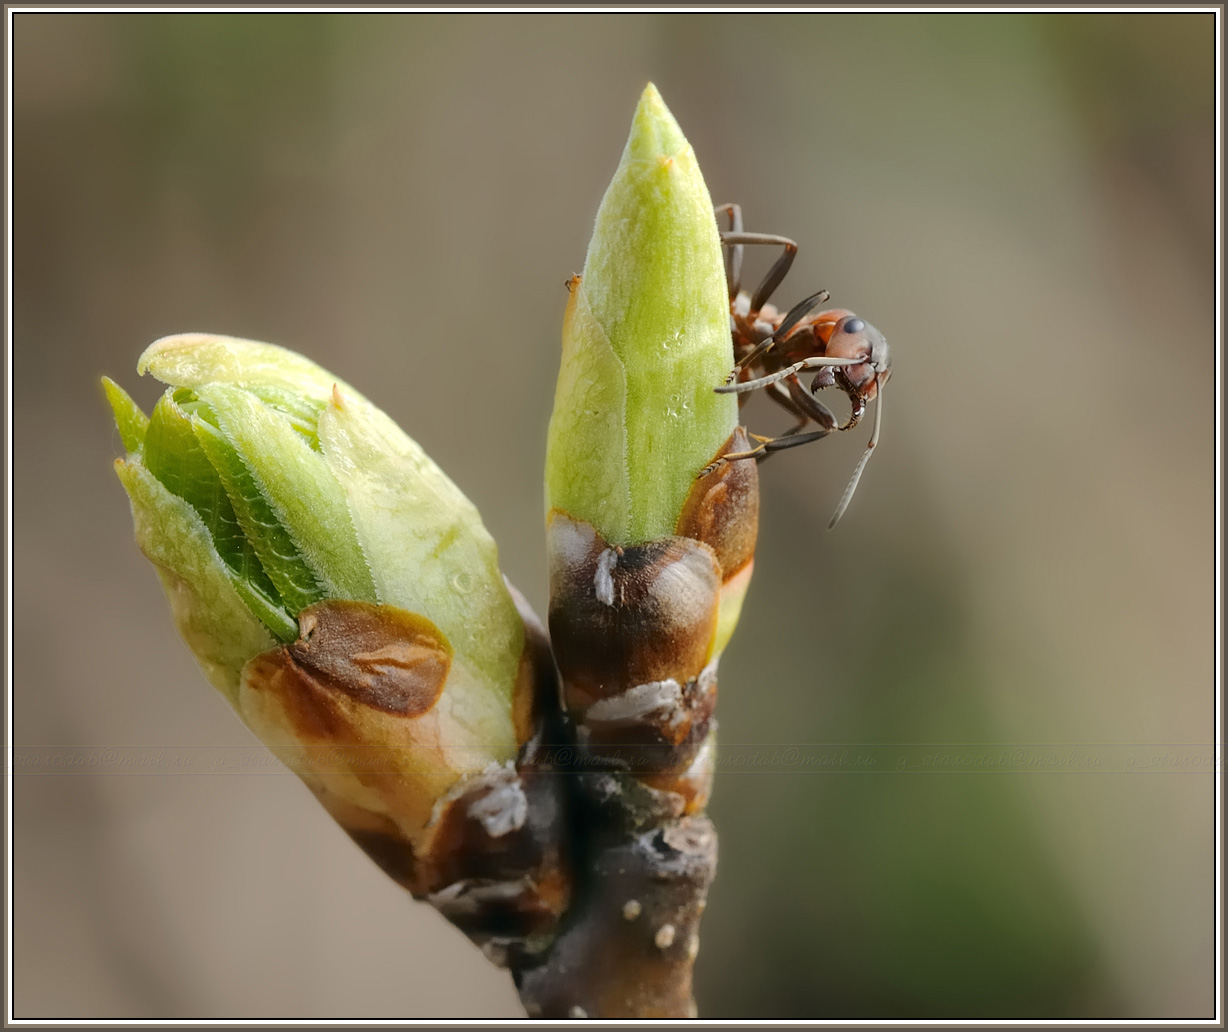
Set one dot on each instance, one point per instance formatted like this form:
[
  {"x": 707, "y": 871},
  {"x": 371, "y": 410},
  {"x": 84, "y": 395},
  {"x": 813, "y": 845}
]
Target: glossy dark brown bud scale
[
  {"x": 496, "y": 862},
  {"x": 629, "y": 615},
  {"x": 633, "y": 628}
]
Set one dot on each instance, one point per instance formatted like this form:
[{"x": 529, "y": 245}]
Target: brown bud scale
[
  {"x": 722, "y": 508},
  {"x": 628, "y": 615},
  {"x": 381, "y": 656},
  {"x": 349, "y": 705}
]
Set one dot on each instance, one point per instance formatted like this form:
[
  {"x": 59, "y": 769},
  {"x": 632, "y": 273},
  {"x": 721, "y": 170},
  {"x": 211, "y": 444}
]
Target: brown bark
[
  {"x": 628, "y": 949},
  {"x": 632, "y": 631}
]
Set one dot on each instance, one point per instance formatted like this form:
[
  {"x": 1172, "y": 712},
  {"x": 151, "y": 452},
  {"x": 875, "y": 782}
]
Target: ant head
[
  {"x": 847, "y": 336},
  {"x": 854, "y": 340}
]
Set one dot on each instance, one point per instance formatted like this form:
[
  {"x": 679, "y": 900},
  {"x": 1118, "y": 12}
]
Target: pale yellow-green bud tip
[{"x": 655, "y": 133}]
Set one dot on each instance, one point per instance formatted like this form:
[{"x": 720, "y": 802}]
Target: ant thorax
[{"x": 752, "y": 327}]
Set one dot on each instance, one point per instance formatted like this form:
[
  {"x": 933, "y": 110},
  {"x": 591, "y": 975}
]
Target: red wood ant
[{"x": 771, "y": 350}]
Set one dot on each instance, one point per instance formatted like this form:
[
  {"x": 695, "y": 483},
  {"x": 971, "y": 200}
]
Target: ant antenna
[
  {"x": 729, "y": 387},
  {"x": 848, "y": 491}
]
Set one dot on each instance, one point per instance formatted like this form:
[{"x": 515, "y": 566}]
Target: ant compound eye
[{"x": 853, "y": 325}]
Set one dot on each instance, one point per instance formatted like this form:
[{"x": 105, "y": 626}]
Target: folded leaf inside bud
[
  {"x": 131, "y": 422},
  {"x": 296, "y": 486},
  {"x": 287, "y": 487},
  {"x": 209, "y": 610}
]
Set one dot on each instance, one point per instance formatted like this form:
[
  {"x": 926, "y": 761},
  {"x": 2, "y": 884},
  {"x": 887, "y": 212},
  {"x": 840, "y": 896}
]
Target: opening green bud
[
  {"x": 262, "y": 488},
  {"x": 645, "y": 339},
  {"x": 636, "y": 424}
]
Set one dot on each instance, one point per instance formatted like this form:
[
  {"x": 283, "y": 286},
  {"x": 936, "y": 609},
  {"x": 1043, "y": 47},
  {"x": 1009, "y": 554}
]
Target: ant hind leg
[
  {"x": 779, "y": 269},
  {"x": 733, "y": 252}
]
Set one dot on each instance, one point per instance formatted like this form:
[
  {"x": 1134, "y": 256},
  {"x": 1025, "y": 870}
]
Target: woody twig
[{"x": 651, "y": 545}]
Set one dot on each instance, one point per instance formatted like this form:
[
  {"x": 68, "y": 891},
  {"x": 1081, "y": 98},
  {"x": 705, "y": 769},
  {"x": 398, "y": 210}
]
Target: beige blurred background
[{"x": 1023, "y": 203}]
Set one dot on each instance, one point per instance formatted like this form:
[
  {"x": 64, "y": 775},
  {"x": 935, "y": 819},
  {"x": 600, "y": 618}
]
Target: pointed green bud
[
  {"x": 645, "y": 339},
  {"x": 280, "y": 506}
]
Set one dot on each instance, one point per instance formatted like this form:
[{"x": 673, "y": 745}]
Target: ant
[{"x": 772, "y": 349}]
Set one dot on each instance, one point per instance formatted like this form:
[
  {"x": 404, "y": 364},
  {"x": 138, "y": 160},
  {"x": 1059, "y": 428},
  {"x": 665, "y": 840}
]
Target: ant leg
[
  {"x": 734, "y": 456},
  {"x": 780, "y": 395},
  {"x": 776, "y": 273},
  {"x": 791, "y": 396},
  {"x": 810, "y": 406},
  {"x": 815, "y": 412},
  {"x": 733, "y": 252},
  {"x": 773, "y": 444},
  {"x": 765, "y": 446},
  {"x": 798, "y": 312},
  {"x": 749, "y": 358},
  {"x": 806, "y": 409}
]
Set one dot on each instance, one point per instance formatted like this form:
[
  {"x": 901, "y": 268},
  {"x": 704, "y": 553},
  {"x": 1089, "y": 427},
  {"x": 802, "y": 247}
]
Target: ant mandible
[{"x": 771, "y": 349}]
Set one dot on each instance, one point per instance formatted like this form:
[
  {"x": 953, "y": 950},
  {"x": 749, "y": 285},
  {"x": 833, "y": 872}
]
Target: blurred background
[{"x": 1023, "y": 203}]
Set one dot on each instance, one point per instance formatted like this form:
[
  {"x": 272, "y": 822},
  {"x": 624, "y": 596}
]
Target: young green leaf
[
  {"x": 295, "y": 489},
  {"x": 174, "y": 455},
  {"x": 211, "y": 615},
  {"x": 130, "y": 421},
  {"x": 293, "y": 579}
]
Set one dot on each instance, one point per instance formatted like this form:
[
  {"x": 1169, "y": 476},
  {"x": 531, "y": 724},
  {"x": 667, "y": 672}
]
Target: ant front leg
[
  {"x": 791, "y": 396},
  {"x": 730, "y": 386},
  {"x": 776, "y": 273},
  {"x": 808, "y": 405},
  {"x": 789, "y": 440},
  {"x": 779, "y": 393},
  {"x": 733, "y": 252}
]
